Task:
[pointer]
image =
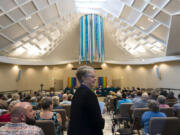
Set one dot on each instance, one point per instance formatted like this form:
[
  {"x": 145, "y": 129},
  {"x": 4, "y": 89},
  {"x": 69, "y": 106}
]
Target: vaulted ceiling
[{"x": 45, "y": 32}]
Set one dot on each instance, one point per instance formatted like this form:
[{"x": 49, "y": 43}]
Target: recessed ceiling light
[
  {"x": 28, "y": 18},
  {"x": 149, "y": 19},
  {"x": 154, "y": 8},
  {"x": 35, "y": 27},
  {"x": 142, "y": 27}
]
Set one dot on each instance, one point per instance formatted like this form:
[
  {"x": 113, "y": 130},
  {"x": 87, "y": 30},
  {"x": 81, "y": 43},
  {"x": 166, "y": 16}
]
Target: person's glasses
[{"x": 92, "y": 76}]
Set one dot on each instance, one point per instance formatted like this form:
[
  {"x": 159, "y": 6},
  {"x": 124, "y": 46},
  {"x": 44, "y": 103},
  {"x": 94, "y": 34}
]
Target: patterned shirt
[{"x": 20, "y": 129}]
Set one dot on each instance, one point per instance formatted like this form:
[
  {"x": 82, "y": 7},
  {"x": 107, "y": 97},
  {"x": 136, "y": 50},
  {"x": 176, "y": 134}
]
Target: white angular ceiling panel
[
  {"x": 130, "y": 15},
  {"x": 16, "y": 14},
  {"x": 14, "y": 32},
  {"x": 161, "y": 33},
  {"x": 163, "y": 18},
  {"x": 160, "y": 3},
  {"x": 33, "y": 22},
  {"x": 29, "y": 8},
  {"x": 140, "y": 4},
  {"x": 66, "y": 6},
  {"x": 5, "y": 20},
  {"x": 146, "y": 24},
  {"x": 14, "y": 46},
  {"x": 42, "y": 3},
  {"x": 7, "y": 5},
  {"x": 151, "y": 10},
  {"x": 49, "y": 14},
  {"x": 4, "y": 42},
  {"x": 20, "y": 1},
  {"x": 128, "y": 2},
  {"x": 114, "y": 7},
  {"x": 173, "y": 7}
]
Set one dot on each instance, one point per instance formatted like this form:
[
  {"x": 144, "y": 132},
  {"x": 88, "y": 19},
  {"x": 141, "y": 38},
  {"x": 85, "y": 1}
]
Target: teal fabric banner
[{"x": 91, "y": 38}]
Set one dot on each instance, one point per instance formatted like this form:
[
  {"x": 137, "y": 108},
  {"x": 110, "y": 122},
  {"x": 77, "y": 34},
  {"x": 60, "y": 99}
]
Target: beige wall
[{"x": 129, "y": 75}]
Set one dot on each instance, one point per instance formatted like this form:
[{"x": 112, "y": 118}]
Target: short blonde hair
[
  {"x": 55, "y": 100},
  {"x": 15, "y": 96}
]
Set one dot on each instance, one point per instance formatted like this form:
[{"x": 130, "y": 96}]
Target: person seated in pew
[
  {"x": 15, "y": 96},
  {"x": 141, "y": 103},
  {"x": 162, "y": 101},
  {"x": 70, "y": 97},
  {"x": 171, "y": 97},
  {"x": 124, "y": 100},
  {"x": 47, "y": 114},
  {"x": 102, "y": 107},
  {"x": 177, "y": 105},
  {"x": 3, "y": 103},
  {"x": 154, "y": 112},
  {"x": 137, "y": 97},
  {"x": 65, "y": 100},
  {"x": 178, "y": 100},
  {"x": 34, "y": 102},
  {"x": 22, "y": 114},
  {"x": 55, "y": 101},
  {"x": 116, "y": 99},
  {"x": 153, "y": 95},
  {"x": 6, "y": 117}
]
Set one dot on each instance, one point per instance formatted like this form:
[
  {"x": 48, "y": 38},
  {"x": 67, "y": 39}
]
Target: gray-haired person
[
  {"x": 154, "y": 112},
  {"x": 85, "y": 118},
  {"x": 162, "y": 101}
]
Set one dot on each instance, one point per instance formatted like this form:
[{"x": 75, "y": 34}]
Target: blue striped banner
[{"x": 91, "y": 38}]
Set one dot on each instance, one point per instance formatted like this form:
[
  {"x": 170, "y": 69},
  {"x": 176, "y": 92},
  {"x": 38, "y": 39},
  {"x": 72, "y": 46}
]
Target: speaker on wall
[
  {"x": 158, "y": 75},
  {"x": 19, "y": 75}
]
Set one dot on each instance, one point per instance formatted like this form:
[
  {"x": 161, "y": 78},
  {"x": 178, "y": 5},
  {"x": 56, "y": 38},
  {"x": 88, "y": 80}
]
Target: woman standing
[{"x": 85, "y": 117}]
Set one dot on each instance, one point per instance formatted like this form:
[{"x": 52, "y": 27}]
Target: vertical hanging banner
[
  {"x": 71, "y": 82},
  {"x": 102, "y": 81},
  {"x": 91, "y": 38}
]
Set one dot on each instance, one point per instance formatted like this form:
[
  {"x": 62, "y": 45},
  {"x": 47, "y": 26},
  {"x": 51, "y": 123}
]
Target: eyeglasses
[{"x": 92, "y": 76}]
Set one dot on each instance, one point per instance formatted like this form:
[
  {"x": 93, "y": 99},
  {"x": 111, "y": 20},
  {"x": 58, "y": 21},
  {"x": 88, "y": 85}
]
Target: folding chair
[
  {"x": 168, "y": 111},
  {"x": 110, "y": 105},
  {"x": 68, "y": 109},
  {"x": 164, "y": 126},
  {"x": 122, "y": 116},
  {"x": 171, "y": 103},
  {"x": 137, "y": 114},
  {"x": 177, "y": 113},
  {"x": 48, "y": 126}
]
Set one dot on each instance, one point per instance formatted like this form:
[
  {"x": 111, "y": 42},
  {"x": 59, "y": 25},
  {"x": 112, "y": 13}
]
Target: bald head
[
  {"x": 65, "y": 97},
  {"x": 21, "y": 111},
  {"x": 19, "y": 108}
]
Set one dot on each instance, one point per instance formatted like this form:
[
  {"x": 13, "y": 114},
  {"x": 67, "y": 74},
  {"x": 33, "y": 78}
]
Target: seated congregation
[
  {"x": 132, "y": 111},
  {"x": 34, "y": 114}
]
